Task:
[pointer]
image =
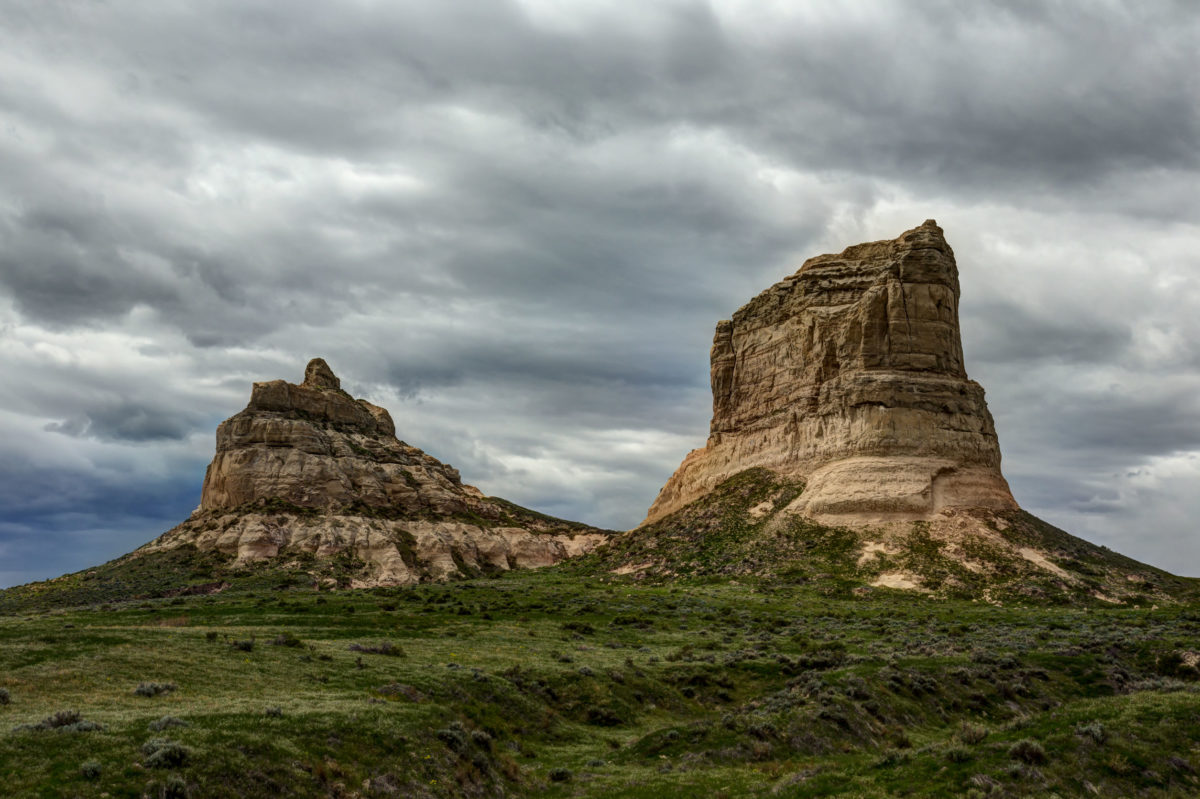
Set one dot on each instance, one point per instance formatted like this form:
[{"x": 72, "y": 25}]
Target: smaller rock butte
[
  {"x": 849, "y": 375},
  {"x": 308, "y": 469}
]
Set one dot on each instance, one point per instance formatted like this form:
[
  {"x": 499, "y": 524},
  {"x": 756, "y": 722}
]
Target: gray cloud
[
  {"x": 516, "y": 226},
  {"x": 128, "y": 421}
]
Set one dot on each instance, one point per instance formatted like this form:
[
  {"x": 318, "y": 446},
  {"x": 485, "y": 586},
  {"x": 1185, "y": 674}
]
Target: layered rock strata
[
  {"x": 849, "y": 375},
  {"x": 308, "y": 469}
]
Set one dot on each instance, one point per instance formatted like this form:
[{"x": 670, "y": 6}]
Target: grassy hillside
[
  {"x": 742, "y": 529},
  {"x": 741, "y": 651},
  {"x": 171, "y": 573},
  {"x": 555, "y": 684}
]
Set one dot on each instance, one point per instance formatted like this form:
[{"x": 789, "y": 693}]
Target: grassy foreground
[{"x": 557, "y": 683}]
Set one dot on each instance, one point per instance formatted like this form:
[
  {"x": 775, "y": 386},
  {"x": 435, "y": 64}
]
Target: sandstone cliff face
[
  {"x": 849, "y": 375},
  {"x": 307, "y": 469}
]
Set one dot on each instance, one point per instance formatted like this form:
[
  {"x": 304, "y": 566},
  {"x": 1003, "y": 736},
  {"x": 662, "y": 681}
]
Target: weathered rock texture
[
  {"x": 307, "y": 469},
  {"x": 849, "y": 375}
]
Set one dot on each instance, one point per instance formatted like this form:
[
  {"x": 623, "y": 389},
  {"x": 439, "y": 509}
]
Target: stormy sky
[{"x": 514, "y": 223}]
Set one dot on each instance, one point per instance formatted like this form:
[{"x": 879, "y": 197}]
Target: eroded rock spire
[
  {"x": 318, "y": 375},
  {"x": 849, "y": 374},
  {"x": 308, "y": 470}
]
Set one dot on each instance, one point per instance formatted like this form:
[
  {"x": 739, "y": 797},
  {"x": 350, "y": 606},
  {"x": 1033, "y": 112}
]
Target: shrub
[
  {"x": 983, "y": 785},
  {"x": 165, "y": 753},
  {"x": 560, "y": 775},
  {"x": 1092, "y": 729},
  {"x": 1175, "y": 664},
  {"x": 274, "y": 712},
  {"x": 683, "y": 653},
  {"x": 958, "y": 754},
  {"x": 383, "y": 648},
  {"x": 90, "y": 770},
  {"x": 152, "y": 689},
  {"x": 1020, "y": 771},
  {"x": 603, "y": 717},
  {"x": 210, "y": 636},
  {"x": 972, "y": 734},
  {"x": 892, "y": 758},
  {"x": 5, "y": 697},
  {"x": 1118, "y": 764},
  {"x": 63, "y": 720},
  {"x": 165, "y": 723},
  {"x": 287, "y": 639},
  {"x": 453, "y": 736},
  {"x": 1028, "y": 751},
  {"x": 581, "y": 627},
  {"x": 243, "y": 646},
  {"x": 176, "y": 788},
  {"x": 1179, "y": 764}
]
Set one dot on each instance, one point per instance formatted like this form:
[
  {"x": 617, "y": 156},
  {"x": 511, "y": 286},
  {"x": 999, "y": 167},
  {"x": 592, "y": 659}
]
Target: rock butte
[
  {"x": 308, "y": 469},
  {"x": 849, "y": 375}
]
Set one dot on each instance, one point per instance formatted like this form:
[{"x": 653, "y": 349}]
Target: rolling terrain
[{"x": 572, "y": 681}]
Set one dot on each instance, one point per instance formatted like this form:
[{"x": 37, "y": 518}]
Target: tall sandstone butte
[
  {"x": 307, "y": 470},
  {"x": 849, "y": 375}
]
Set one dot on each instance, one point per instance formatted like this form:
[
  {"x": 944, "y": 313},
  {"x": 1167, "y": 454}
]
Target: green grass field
[{"x": 563, "y": 683}]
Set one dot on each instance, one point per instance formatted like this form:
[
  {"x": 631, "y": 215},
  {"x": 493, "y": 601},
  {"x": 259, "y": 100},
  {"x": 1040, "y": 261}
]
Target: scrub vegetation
[
  {"x": 542, "y": 683},
  {"x": 176, "y": 674}
]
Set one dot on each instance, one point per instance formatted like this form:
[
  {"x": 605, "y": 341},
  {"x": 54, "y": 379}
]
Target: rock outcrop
[
  {"x": 849, "y": 376},
  {"x": 848, "y": 446},
  {"x": 308, "y": 470}
]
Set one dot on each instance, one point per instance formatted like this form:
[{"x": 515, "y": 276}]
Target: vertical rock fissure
[{"x": 904, "y": 307}]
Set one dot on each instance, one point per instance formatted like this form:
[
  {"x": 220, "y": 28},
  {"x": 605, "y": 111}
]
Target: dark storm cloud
[
  {"x": 1059, "y": 416},
  {"x": 56, "y": 521},
  {"x": 1046, "y": 106},
  {"x": 1006, "y": 331},
  {"x": 516, "y": 223},
  {"x": 128, "y": 421},
  {"x": 431, "y": 86},
  {"x": 65, "y": 268},
  {"x": 1157, "y": 424}
]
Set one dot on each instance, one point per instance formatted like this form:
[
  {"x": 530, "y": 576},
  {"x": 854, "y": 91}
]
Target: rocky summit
[
  {"x": 847, "y": 440},
  {"x": 307, "y": 471},
  {"x": 849, "y": 375}
]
